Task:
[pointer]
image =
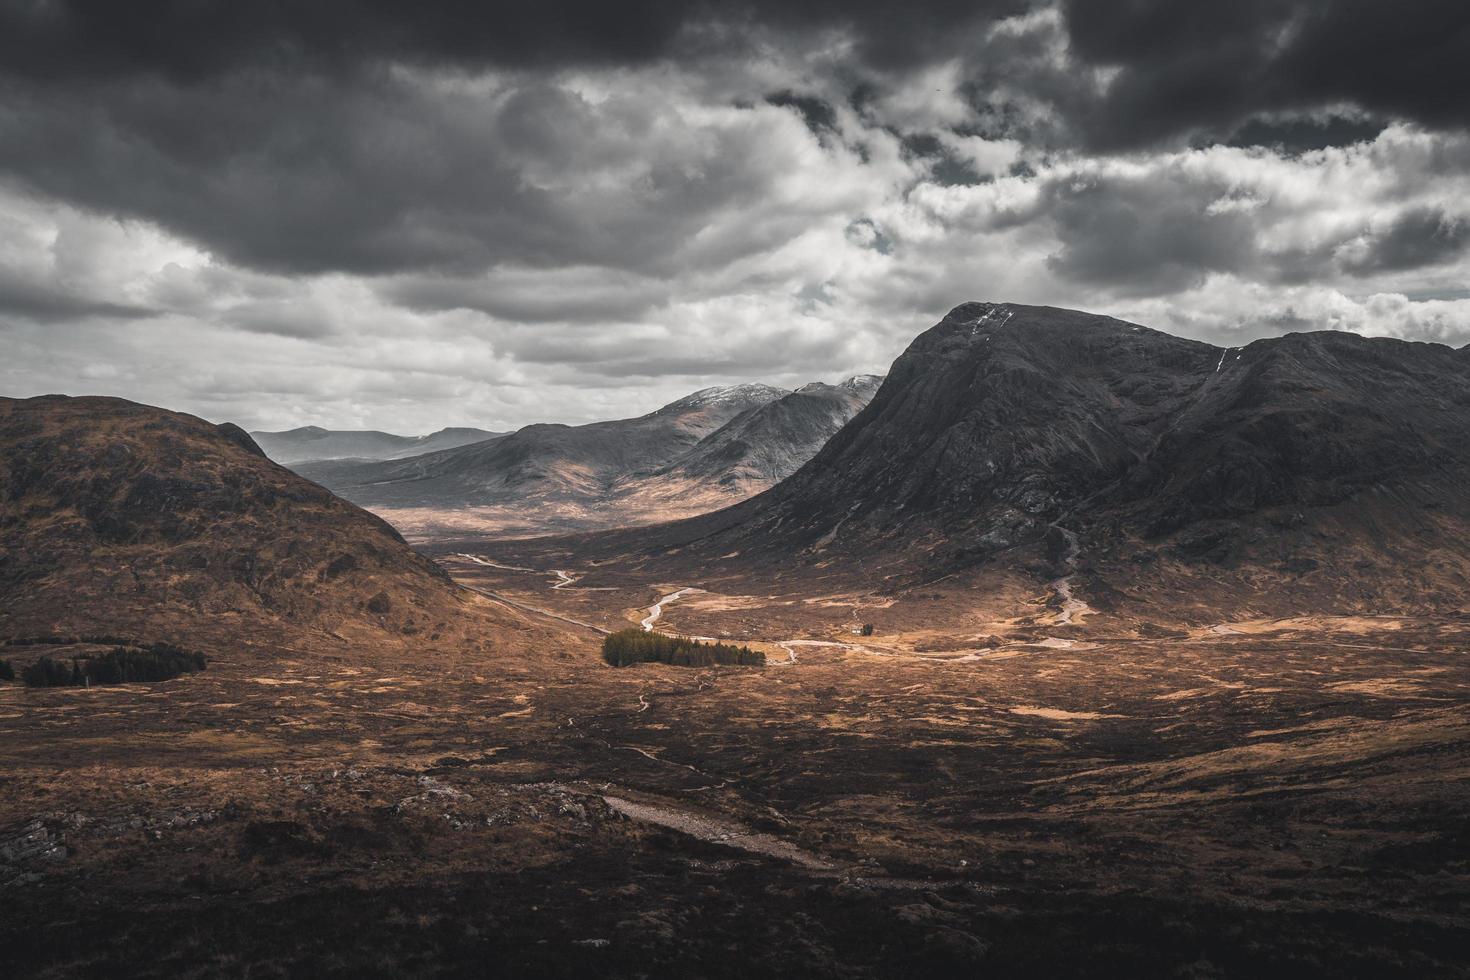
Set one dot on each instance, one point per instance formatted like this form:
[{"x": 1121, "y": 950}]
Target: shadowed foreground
[{"x": 1291, "y": 799}]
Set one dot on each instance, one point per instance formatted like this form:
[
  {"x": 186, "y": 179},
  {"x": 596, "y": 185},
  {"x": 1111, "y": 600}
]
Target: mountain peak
[
  {"x": 985, "y": 437},
  {"x": 863, "y": 384},
  {"x": 753, "y": 394}
]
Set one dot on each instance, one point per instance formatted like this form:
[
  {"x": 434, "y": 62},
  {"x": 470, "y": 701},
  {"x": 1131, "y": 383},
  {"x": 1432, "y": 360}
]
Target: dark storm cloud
[
  {"x": 1416, "y": 238},
  {"x": 1303, "y": 134},
  {"x": 284, "y": 174},
  {"x": 1185, "y": 66},
  {"x": 942, "y": 165},
  {"x": 574, "y": 295},
  {"x": 287, "y": 137},
  {"x": 1142, "y": 235},
  {"x": 817, "y": 113},
  {"x": 278, "y": 135},
  {"x": 305, "y": 175},
  {"x": 195, "y": 39},
  {"x": 46, "y": 303}
]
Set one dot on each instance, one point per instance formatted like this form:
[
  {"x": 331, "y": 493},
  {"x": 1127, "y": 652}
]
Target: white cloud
[{"x": 703, "y": 236}]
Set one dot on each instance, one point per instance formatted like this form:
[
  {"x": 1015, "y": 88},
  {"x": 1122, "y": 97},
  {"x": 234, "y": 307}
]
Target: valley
[
  {"x": 1165, "y": 674},
  {"x": 735, "y": 491},
  {"x": 1046, "y": 797}
]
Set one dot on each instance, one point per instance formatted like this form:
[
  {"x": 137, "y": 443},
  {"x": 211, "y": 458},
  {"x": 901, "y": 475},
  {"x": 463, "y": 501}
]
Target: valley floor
[{"x": 952, "y": 794}]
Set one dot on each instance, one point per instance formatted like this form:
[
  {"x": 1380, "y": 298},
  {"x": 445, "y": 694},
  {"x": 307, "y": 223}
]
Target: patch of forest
[
  {"x": 120, "y": 665},
  {"x": 635, "y": 646}
]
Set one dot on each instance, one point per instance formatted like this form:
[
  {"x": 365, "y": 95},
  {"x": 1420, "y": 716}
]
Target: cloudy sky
[{"x": 362, "y": 213}]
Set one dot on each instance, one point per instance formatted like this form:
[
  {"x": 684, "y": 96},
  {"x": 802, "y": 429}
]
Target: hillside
[
  {"x": 123, "y": 519},
  {"x": 768, "y": 443},
  {"x": 750, "y": 453},
  {"x": 1311, "y": 468},
  {"x": 543, "y": 477},
  {"x": 311, "y": 442}
]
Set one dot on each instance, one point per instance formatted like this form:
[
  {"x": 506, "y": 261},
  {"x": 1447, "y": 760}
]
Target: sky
[{"x": 370, "y": 214}]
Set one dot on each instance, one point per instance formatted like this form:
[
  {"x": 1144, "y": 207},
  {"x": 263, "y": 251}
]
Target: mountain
[
  {"x": 128, "y": 520},
  {"x": 549, "y": 476},
  {"x": 1323, "y": 466},
  {"x": 768, "y": 443},
  {"x": 311, "y": 442}
]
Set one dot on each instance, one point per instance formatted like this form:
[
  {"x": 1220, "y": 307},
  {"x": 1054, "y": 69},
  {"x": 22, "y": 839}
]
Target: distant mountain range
[
  {"x": 311, "y": 443},
  {"x": 696, "y": 454},
  {"x": 1313, "y": 470},
  {"x": 1321, "y": 471}
]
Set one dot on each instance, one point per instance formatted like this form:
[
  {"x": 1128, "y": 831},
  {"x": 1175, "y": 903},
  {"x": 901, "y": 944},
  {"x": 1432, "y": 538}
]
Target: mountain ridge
[
  {"x": 312, "y": 442},
  {"x": 1295, "y": 469},
  {"x": 552, "y": 477}
]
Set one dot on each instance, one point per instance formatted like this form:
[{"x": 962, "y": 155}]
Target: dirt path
[
  {"x": 562, "y": 578},
  {"x": 716, "y": 830},
  {"x": 495, "y": 564},
  {"x": 532, "y": 609},
  {"x": 719, "y": 831}
]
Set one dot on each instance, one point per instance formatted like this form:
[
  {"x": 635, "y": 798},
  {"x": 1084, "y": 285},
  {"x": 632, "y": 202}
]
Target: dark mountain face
[
  {"x": 768, "y": 443},
  {"x": 1308, "y": 420},
  {"x": 1001, "y": 416},
  {"x": 131, "y": 520},
  {"x": 547, "y": 462},
  {"x": 1324, "y": 455},
  {"x": 312, "y": 443}
]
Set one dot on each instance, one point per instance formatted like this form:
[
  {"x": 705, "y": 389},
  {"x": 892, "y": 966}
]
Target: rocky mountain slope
[
  {"x": 766, "y": 444},
  {"x": 1316, "y": 466},
  {"x": 311, "y": 442},
  {"x": 543, "y": 460},
  {"x": 696, "y": 454},
  {"x": 123, "y": 519}
]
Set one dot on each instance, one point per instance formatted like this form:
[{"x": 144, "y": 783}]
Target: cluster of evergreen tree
[
  {"x": 634, "y": 646},
  {"x": 7, "y": 671},
  {"x": 120, "y": 665},
  {"x": 50, "y": 672}
]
